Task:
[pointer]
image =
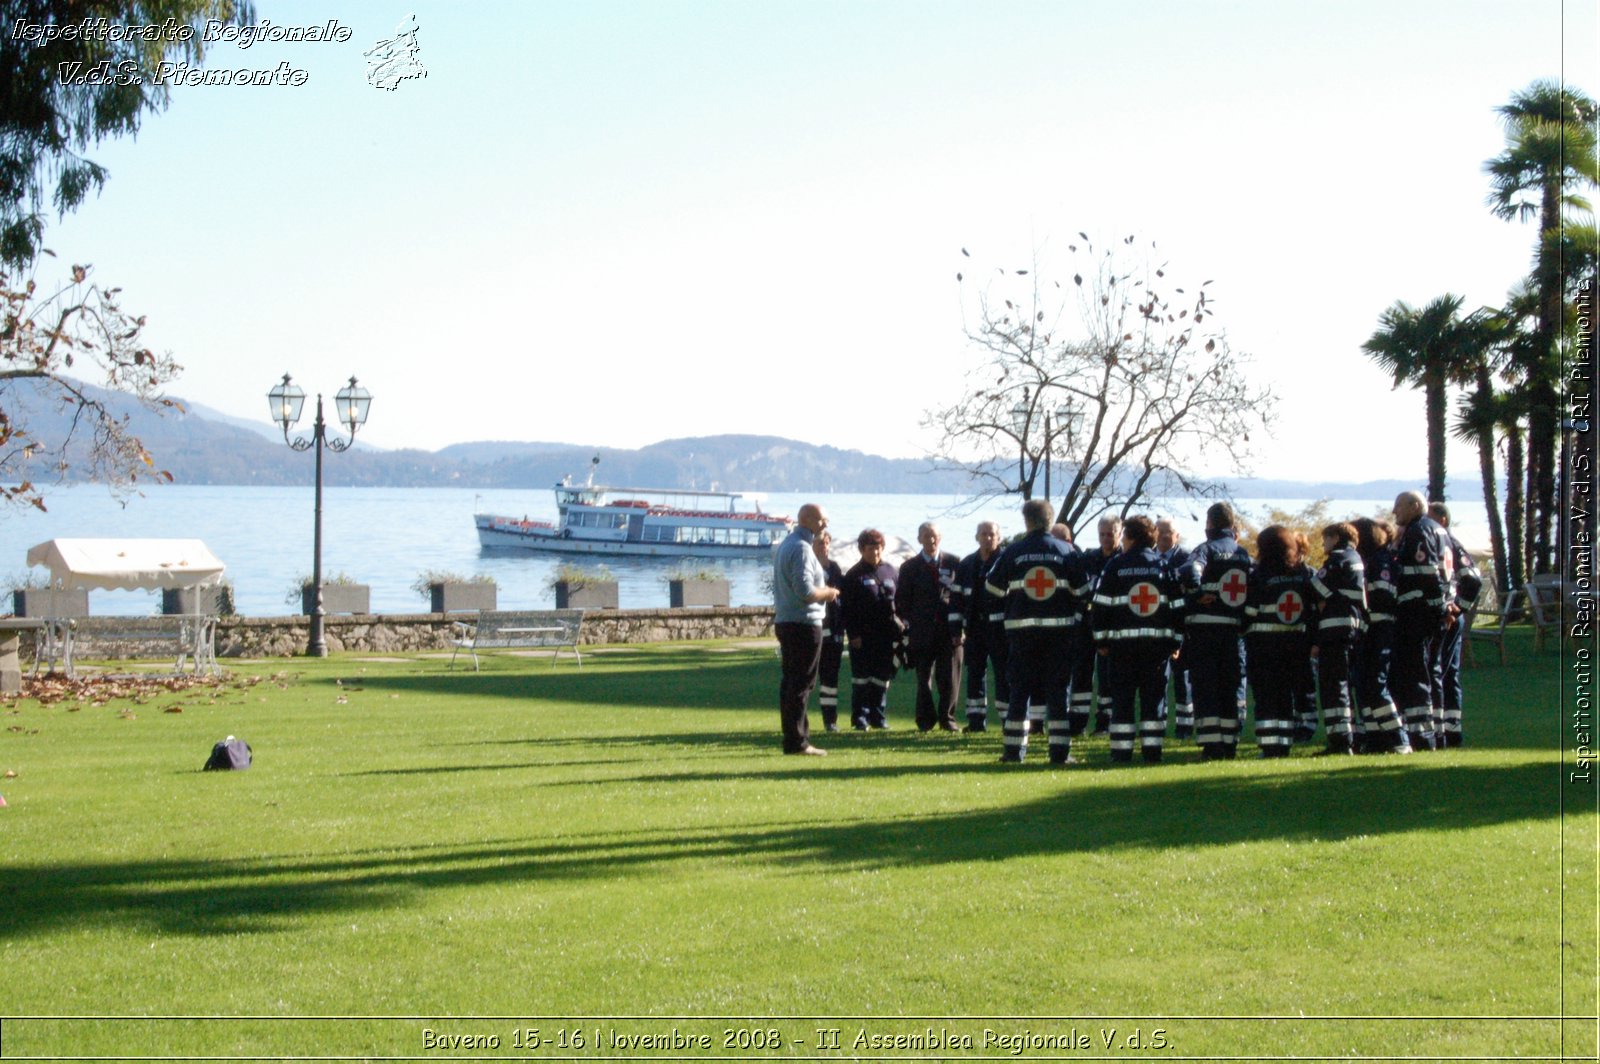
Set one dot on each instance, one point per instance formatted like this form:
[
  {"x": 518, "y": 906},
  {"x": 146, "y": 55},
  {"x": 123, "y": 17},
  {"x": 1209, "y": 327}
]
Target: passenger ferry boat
[{"x": 644, "y": 522}]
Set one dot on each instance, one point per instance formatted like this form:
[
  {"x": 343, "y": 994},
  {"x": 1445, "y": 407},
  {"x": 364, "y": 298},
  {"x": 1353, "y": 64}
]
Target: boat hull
[{"x": 551, "y": 542}]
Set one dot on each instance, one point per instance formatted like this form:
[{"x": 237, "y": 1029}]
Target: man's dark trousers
[
  {"x": 938, "y": 667},
  {"x": 800, "y": 647}
]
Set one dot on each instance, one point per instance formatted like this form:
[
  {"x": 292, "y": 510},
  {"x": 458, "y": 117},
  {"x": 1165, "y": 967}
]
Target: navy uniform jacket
[
  {"x": 1424, "y": 582},
  {"x": 1278, "y": 605},
  {"x": 926, "y": 603},
  {"x": 1042, "y": 582},
  {"x": 832, "y": 626},
  {"x": 1341, "y": 590},
  {"x": 1380, "y": 572},
  {"x": 1469, "y": 582},
  {"x": 866, "y": 604},
  {"x": 1137, "y": 598},
  {"x": 974, "y": 605},
  {"x": 1220, "y": 568}
]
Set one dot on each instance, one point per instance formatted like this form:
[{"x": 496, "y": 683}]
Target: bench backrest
[
  {"x": 536, "y": 628},
  {"x": 132, "y": 637}
]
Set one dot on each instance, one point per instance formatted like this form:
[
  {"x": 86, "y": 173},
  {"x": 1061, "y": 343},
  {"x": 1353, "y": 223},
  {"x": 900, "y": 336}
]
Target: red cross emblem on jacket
[
  {"x": 1144, "y": 599},
  {"x": 1040, "y": 583},
  {"x": 1289, "y": 607},
  {"x": 1233, "y": 588}
]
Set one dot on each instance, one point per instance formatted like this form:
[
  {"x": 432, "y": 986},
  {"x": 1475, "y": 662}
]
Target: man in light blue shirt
[{"x": 800, "y": 593}]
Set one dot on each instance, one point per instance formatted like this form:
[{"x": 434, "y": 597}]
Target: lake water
[{"x": 386, "y": 537}]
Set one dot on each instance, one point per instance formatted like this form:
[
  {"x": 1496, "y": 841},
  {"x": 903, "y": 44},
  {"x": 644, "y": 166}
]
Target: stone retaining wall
[{"x": 389, "y": 633}]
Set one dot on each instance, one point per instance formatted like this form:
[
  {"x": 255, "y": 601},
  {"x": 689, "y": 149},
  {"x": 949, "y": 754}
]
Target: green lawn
[{"x": 553, "y": 847}]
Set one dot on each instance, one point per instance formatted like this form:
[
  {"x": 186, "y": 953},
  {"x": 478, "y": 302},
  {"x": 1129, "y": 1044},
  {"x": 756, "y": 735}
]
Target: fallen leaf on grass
[
  {"x": 11, "y": 773},
  {"x": 173, "y": 709}
]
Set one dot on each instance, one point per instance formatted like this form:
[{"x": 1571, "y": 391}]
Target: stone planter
[
  {"x": 686, "y": 593},
  {"x": 588, "y": 597},
  {"x": 338, "y": 598},
  {"x": 44, "y": 602},
  {"x": 189, "y": 601},
  {"x": 453, "y": 597}
]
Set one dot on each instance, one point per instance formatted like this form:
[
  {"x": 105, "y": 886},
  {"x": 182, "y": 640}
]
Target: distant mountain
[{"x": 198, "y": 445}]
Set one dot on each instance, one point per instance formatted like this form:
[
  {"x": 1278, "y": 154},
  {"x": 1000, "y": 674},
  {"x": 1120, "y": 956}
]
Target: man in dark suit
[{"x": 925, "y": 602}]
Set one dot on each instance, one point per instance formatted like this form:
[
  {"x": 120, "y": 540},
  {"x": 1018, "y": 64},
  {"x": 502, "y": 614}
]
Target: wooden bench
[
  {"x": 518, "y": 629},
  {"x": 189, "y": 640},
  {"x": 1494, "y": 632}
]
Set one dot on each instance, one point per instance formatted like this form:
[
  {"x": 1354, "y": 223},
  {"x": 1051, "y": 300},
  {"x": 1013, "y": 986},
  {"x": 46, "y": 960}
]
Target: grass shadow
[{"x": 1163, "y": 810}]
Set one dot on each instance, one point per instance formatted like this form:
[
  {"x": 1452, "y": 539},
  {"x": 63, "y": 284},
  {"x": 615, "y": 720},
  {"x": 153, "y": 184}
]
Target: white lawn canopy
[{"x": 127, "y": 564}]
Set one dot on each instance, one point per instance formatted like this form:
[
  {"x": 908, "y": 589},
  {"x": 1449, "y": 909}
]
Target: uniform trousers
[
  {"x": 1037, "y": 664},
  {"x": 1334, "y": 653},
  {"x": 1379, "y": 726},
  {"x": 1137, "y": 668},
  {"x": 1277, "y": 671},
  {"x": 999, "y": 650},
  {"x": 871, "y": 669},
  {"x": 1410, "y": 678},
  {"x": 828, "y": 681},
  {"x": 1444, "y": 654},
  {"x": 979, "y": 653},
  {"x": 1182, "y": 700},
  {"x": 938, "y": 668},
  {"x": 1305, "y": 728},
  {"x": 1081, "y": 678},
  {"x": 1216, "y": 671},
  {"x": 800, "y": 651}
]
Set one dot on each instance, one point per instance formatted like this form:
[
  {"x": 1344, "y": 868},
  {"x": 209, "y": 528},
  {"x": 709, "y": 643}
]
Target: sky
[{"x": 613, "y": 223}]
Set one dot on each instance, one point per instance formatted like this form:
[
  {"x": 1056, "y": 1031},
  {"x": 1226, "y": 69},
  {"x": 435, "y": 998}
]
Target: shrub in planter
[
  {"x": 216, "y": 600},
  {"x": 697, "y": 587},
  {"x": 452, "y": 592},
  {"x": 44, "y": 602},
  {"x": 583, "y": 589},
  {"x": 340, "y": 594}
]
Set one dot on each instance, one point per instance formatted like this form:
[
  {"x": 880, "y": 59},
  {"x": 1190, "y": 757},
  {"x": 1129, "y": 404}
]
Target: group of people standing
[{"x": 1370, "y": 641}]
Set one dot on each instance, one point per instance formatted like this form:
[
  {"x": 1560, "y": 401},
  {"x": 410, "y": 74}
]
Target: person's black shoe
[
  {"x": 1183, "y": 731},
  {"x": 881, "y": 725},
  {"x": 975, "y": 726},
  {"x": 830, "y": 726}
]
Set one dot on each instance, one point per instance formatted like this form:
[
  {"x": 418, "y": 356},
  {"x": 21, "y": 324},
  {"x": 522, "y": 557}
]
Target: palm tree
[
  {"x": 1428, "y": 348},
  {"x": 1479, "y": 416},
  {"x": 1549, "y": 155}
]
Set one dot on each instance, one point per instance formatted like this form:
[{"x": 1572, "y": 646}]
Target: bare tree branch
[
  {"x": 1133, "y": 391},
  {"x": 53, "y": 343}
]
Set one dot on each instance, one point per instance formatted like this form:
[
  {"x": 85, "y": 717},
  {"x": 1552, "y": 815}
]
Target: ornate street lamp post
[
  {"x": 1066, "y": 418},
  {"x": 350, "y": 406},
  {"x": 1021, "y": 414}
]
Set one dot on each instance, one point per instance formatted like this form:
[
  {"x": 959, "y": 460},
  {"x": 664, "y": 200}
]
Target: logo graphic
[
  {"x": 1144, "y": 599},
  {"x": 1234, "y": 588},
  {"x": 395, "y": 60},
  {"x": 1040, "y": 583},
  {"x": 1289, "y": 607}
]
